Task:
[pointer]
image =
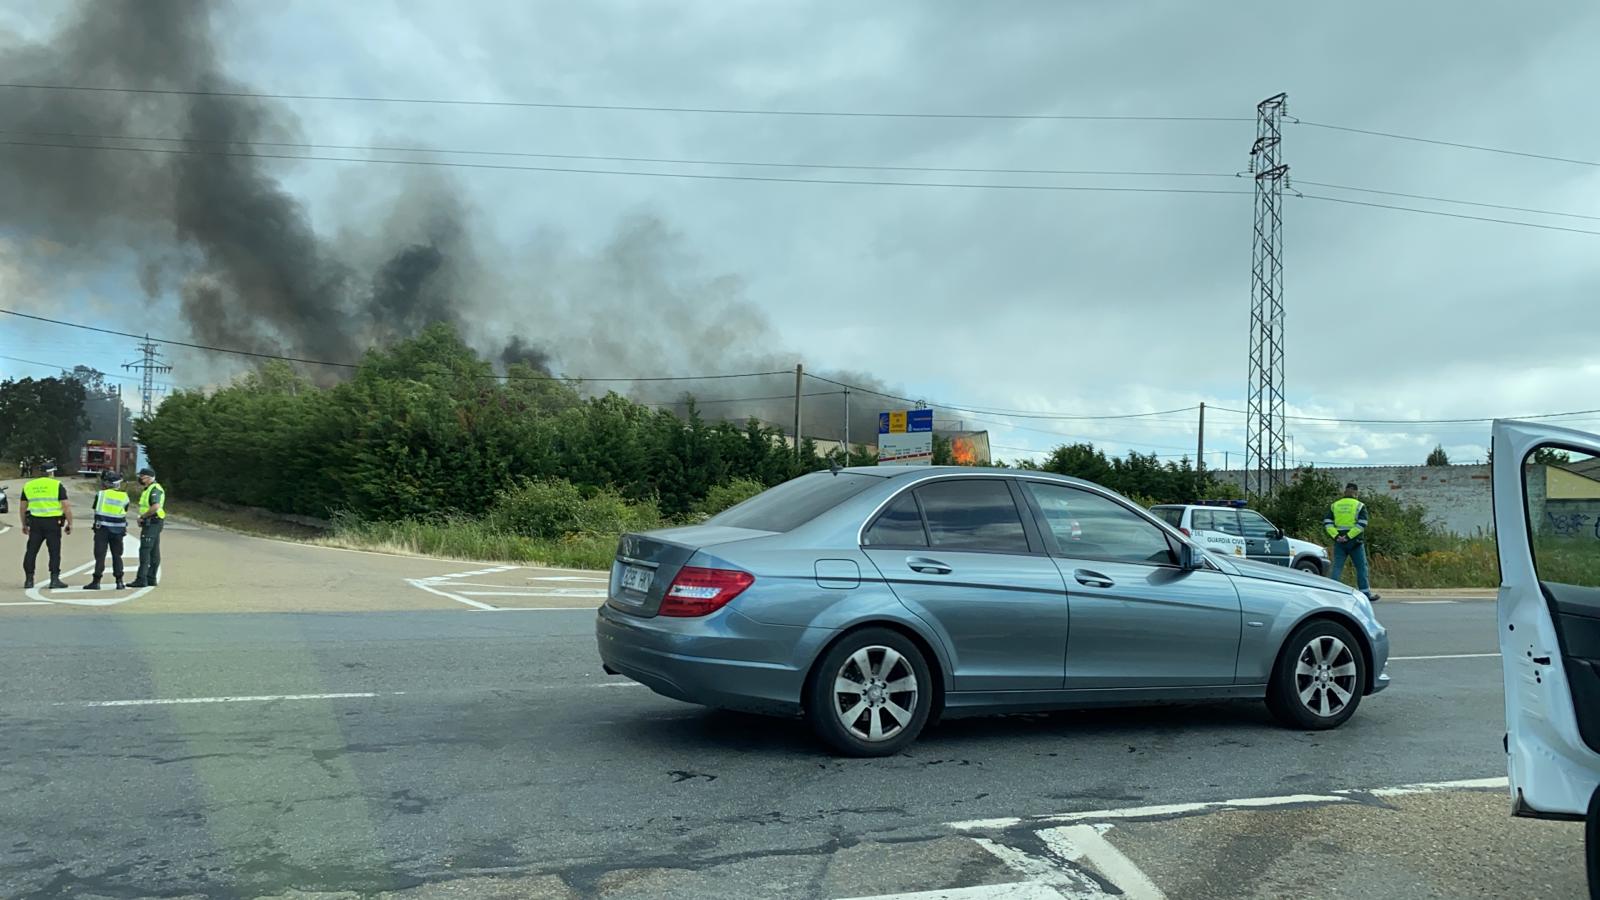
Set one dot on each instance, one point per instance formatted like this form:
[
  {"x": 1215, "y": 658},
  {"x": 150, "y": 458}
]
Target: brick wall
[{"x": 1457, "y": 498}]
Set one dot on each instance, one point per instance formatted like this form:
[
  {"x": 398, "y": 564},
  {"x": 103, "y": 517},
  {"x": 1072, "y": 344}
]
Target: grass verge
[
  {"x": 243, "y": 520},
  {"x": 473, "y": 540}
]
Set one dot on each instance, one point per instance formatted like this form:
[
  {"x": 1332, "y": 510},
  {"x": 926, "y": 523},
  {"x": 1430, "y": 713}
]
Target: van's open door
[{"x": 1547, "y": 521}]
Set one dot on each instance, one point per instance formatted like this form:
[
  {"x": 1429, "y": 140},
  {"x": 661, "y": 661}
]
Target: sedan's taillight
[{"x": 700, "y": 591}]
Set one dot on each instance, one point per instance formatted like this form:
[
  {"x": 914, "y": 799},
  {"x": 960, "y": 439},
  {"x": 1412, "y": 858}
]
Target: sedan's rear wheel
[
  {"x": 870, "y": 694},
  {"x": 1319, "y": 678}
]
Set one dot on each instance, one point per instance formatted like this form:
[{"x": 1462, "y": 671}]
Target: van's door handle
[
  {"x": 927, "y": 566},
  {"x": 1092, "y": 579}
]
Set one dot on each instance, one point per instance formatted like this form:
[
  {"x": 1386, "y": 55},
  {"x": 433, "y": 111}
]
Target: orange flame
[{"x": 962, "y": 451}]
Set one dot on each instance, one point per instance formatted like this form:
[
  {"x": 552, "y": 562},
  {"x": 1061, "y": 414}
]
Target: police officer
[
  {"x": 152, "y": 517},
  {"x": 1346, "y": 523},
  {"x": 45, "y": 511},
  {"x": 110, "y": 527}
]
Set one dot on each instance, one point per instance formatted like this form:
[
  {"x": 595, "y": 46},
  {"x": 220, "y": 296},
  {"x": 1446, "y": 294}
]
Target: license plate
[{"x": 637, "y": 579}]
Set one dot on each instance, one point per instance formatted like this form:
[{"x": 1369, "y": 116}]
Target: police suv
[{"x": 1226, "y": 527}]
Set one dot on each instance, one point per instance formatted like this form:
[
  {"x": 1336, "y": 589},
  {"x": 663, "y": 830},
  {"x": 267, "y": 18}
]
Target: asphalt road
[{"x": 383, "y": 733}]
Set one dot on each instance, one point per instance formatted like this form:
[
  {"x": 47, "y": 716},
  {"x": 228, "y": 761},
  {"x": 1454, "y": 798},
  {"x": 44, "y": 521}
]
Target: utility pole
[
  {"x": 148, "y": 365},
  {"x": 1200, "y": 450},
  {"x": 117, "y": 452},
  {"x": 799, "y": 379},
  {"x": 1264, "y": 435},
  {"x": 847, "y": 426}
]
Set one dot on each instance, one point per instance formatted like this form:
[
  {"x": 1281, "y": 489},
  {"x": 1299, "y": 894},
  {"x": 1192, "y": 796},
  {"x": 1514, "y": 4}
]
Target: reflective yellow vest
[
  {"x": 112, "y": 508},
  {"x": 44, "y": 498},
  {"x": 144, "y": 501},
  {"x": 1346, "y": 516}
]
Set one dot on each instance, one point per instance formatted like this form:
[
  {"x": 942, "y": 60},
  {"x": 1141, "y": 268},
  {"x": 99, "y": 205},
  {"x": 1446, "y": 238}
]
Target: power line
[
  {"x": 695, "y": 176},
  {"x": 1000, "y": 412},
  {"x": 60, "y": 368},
  {"x": 696, "y": 401},
  {"x": 343, "y": 365},
  {"x": 1457, "y": 144},
  {"x": 1542, "y": 212},
  {"x": 1479, "y": 420},
  {"x": 599, "y": 158},
  {"x": 1450, "y": 215},
  {"x": 710, "y": 110}
]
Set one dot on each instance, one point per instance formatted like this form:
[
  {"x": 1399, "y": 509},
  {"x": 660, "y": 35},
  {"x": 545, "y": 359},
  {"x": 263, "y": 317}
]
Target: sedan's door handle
[
  {"x": 1092, "y": 579},
  {"x": 927, "y": 566}
]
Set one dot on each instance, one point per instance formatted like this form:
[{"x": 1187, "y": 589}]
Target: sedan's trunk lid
[{"x": 646, "y": 563}]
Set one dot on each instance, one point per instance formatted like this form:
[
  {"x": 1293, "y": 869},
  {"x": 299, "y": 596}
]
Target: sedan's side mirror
[{"x": 1190, "y": 557}]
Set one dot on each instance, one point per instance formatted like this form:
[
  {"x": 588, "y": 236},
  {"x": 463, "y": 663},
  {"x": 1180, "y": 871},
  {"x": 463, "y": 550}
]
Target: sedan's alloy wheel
[
  {"x": 875, "y": 693},
  {"x": 1325, "y": 676}
]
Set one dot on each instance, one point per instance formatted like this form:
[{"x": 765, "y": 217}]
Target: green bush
[
  {"x": 554, "y": 508},
  {"x": 724, "y": 496}
]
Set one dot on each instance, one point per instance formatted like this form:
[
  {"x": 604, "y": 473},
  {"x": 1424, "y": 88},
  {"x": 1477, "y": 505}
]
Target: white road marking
[
  {"x": 1059, "y": 875},
  {"x": 28, "y": 603},
  {"x": 543, "y": 609},
  {"x": 425, "y": 585},
  {"x": 1432, "y": 787},
  {"x": 586, "y": 578},
  {"x": 180, "y": 701},
  {"x": 4, "y": 528},
  {"x": 1085, "y": 843},
  {"x": 617, "y": 684},
  {"x": 1021, "y": 890},
  {"x": 560, "y": 592},
  {"x": 1443, "y": 656},
  {"x": 1173, "y": 810},
  {"x": 79, "y": 597}
]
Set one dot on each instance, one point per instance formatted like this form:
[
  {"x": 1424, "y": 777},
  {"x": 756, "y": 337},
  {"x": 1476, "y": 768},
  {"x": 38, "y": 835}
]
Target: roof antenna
[{"x": 833, "y": 466}]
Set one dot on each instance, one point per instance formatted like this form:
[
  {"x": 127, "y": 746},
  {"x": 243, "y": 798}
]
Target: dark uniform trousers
[
  {"x": 108, "y": 539},
  {"x": 46, "y": 531}
]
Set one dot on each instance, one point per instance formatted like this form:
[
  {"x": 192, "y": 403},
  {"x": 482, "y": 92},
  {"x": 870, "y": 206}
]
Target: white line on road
[
  {"x": 81, "y": 597},
  {"x": 1085, "y": 843},
  {"x": 585, "y": 578},
  {"x": 28, "y": 603},
  {"x": 1021, "y": 890},
  {"x": 1175, "y": 810},
  {"x": 1443, "y": 656},
  {"x": 424, "y": 585},
  {"x": 1433, "y": 787},
  {"x": 264, "y": 698},
  {"x": 582, "y": 593}
]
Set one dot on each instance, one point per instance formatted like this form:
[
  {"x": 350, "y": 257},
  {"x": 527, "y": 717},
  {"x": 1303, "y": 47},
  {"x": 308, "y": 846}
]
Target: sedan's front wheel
[
  {"x": 1319, "y": 677},
  {"x": 870, "y": 694}
]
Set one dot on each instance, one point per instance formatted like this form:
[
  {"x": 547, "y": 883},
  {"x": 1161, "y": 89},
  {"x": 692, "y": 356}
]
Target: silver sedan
[{"x": 875, "y": 600}]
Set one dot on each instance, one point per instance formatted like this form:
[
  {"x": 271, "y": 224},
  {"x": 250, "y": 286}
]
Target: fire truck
[{"x": 104, "y": 456}]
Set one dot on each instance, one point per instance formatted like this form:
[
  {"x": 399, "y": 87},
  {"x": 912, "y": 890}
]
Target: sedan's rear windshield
[
  {"x": 1172, "y": 515},
  {"x": 794, "y": 503}
]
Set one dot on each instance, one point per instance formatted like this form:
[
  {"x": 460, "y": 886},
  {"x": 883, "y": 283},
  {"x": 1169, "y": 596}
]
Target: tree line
[{"x": 427, "y": 428}]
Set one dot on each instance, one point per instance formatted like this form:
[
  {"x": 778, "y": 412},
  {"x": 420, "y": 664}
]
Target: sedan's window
[
  {"x": 794, "y": 503},
  {"x": 1256, "y": 525},
  {"x": 1088, "y": 525},
  {"x": 900, "y": 525},
  {"x": 973, "y": 514}
]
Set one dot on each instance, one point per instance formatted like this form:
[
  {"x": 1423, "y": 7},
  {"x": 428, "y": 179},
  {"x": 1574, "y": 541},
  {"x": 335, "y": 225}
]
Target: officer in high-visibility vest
[
  {"x": 152, "y": 517},
  {"x": 1346, "y": 523},
  {"x": 110, "y": 527},
  {"x": 45, "y": 513}
]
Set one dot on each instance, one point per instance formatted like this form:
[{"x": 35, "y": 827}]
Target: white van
[{"x": 1549, "y": 619}]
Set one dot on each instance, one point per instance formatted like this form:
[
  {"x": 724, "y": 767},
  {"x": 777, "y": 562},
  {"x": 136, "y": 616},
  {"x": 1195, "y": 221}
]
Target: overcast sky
[{"x": 1054, "y": 301}]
